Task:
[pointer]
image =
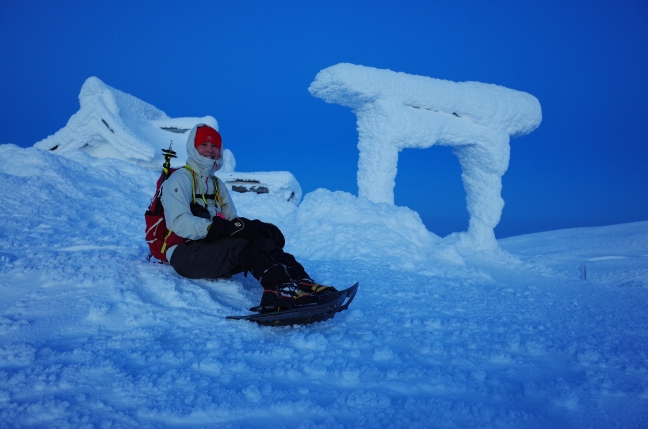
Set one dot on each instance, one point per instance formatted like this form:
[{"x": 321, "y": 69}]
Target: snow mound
[
  {"x": 396, "y": 111},
  {"x": 337, "y": 225},
  {"x": 113, "y": 124}
]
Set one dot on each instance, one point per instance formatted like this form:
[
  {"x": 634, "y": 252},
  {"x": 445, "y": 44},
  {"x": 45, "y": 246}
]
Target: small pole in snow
[{"x": 583, "y": 271}]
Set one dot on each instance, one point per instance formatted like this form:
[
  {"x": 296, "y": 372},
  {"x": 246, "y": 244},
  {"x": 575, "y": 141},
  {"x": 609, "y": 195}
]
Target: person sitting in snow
[{"x": 220, "y": 243}]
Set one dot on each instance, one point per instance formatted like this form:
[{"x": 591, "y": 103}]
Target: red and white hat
[{"x": 206, "y": 133}]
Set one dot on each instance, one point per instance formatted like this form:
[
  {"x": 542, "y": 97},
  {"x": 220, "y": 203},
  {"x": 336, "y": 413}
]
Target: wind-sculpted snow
[
  {"x": 111, "y": 123},
  {"x": 341, "y": 226},
  {"x": 397, "y": 111},
  {"x": 92, "y": 335}
]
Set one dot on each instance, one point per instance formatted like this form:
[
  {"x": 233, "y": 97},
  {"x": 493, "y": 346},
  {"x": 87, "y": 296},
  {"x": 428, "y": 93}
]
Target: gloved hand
[
  {"x": 199, "y": 211},
  {"x": 239, "y": 227},
  {"x": 270, "y": 231}
]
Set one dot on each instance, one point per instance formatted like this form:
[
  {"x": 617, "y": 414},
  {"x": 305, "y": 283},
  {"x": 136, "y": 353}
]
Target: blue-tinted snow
[{"x": 92, "y": 335}]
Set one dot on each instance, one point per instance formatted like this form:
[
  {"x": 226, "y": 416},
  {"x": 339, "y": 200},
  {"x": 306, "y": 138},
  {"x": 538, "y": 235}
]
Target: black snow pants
[{"x": 220, "y": 258}]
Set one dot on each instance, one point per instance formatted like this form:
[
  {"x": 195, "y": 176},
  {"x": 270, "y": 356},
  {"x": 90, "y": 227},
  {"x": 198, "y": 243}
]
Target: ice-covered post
[{"x": 396, "y": 111}]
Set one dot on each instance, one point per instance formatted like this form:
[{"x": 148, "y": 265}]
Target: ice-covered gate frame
[{"x": 397, "y": 110}]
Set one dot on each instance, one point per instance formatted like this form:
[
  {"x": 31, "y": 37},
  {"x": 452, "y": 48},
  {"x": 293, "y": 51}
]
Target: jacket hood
[{"x": 202, "y": 165}]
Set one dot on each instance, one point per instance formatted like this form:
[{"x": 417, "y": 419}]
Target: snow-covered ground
[{"x": 93, "y": 335}]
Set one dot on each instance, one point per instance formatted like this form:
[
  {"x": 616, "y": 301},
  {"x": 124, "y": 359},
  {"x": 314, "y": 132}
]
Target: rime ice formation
[
  {"x": 280, "y": 184},
  {"x": 113, "y": 124},
  {"x": 396, "y": 111}
]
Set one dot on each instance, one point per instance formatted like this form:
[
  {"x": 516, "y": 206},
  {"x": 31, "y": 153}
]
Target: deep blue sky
[{"x": 249, "y": 64}]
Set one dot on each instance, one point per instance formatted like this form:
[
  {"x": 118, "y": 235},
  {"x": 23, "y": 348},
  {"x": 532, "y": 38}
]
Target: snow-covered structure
[
  {"x": 113, "y": 124},
  {"x": 281, "y": 184},
  {"x": 396, "y": 111}
]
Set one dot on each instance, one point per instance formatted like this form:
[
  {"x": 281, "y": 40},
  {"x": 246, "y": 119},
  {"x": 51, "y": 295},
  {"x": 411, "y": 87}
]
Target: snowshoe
[{"x": 324, "y": 308}]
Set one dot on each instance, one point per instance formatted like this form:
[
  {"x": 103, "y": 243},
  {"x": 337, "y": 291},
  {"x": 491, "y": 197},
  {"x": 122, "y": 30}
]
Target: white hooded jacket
[{"x": 177, "y": 194}]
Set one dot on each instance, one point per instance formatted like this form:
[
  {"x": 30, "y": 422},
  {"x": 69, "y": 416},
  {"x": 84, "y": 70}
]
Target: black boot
[
  {"x": 279, "y": 291},
  {"x": 294, "y": 269},
  {"x": 282, "y": 297},
  {"x": 276, "y": 286},
  {"x": 298, "y": 275}
]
